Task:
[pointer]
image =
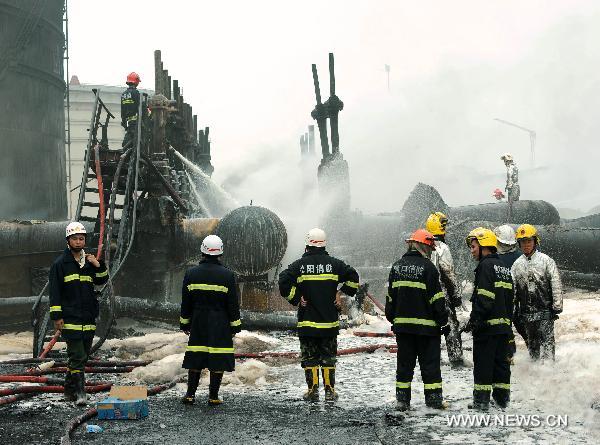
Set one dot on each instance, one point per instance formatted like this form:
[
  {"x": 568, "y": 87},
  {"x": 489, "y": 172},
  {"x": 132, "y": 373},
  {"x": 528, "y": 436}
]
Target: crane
[{"x": 531, "y": 136}]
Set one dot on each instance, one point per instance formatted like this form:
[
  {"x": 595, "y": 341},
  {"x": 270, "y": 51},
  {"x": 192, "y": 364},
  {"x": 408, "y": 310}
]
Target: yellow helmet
[
  {"x": 527, "y": 231},
  {"x": 436, "y": 223},
  {"x": 485, "y": 237}
]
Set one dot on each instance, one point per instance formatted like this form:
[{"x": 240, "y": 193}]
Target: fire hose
[
  {"x": 93, "y": 412},
  {"x": 294, "y": 354},
  {"x": 27, "y": 389}
]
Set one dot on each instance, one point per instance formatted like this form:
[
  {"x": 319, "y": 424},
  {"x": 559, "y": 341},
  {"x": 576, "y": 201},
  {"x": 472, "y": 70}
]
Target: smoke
[{"x": 439, "y": 128}]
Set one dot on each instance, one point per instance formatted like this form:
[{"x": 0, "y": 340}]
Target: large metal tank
[
  {"x": 254, "y": 240},
  {"x": 32, "y": 124}
]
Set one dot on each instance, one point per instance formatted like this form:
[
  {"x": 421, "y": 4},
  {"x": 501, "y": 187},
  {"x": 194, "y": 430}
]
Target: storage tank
[{"x": 32, "y": 124}]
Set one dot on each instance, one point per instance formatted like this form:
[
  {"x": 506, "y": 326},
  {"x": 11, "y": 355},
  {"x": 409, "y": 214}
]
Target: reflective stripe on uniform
[
  {"x": 486, "y": 293},
  {"x": 318, "y": 277},
  {"x": 421, "y": 321},
  {"x": 202, "y": 286},
  {"x": 436, "y": 297},
  {"x": 495, "y": 321},
  {"x": 501, "y": 385},
  {"x": 76, "y": 276},
  {"x": 79, "y": 327},
  {"x": 55, "y": 308},
  {"x": 313, "y": 324},
  {"x": 503, "y": 284},
  {"x": 437, "y": 385},
  {"x": 102, "y": 274},
  {"x": 184, "y": 320},
  {"x": 403, "y": 385},
  {"x": 127, "y": 101},
  {"x": 290, "y": 297},
  {"x": 351, "y": 284},
  {"x": 477, "y": 387},
  {"x": 416, "y": 284},
  {"x": 235, "y": 323},
  {"x": 209, "y": 349}
]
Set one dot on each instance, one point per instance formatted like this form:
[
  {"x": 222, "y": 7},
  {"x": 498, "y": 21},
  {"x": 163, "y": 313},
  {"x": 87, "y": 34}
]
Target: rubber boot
[
  {"x": 192, "y": 386},
  {"x": 434, "y": 399},
  {"x": 79, "y": 378},
  {"x": 69, "y": 387},
  {"x": 501, "y": 397},
  {"x": 481, "y": 400},
  {"x": 213, "y": 388},
  {"x": 329, "y": 383},
  {"x": 312, "y": 381},
  {"x": 402, "y": 399}
]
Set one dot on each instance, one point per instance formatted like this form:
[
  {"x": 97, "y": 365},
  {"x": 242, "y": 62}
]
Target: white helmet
[
  {"x": 212, "y": 245},
  {"x": 506, "y": 157},
  {"x": 75, "y": 228},
  {"x": 506, "y": 235},
  {"x": 316, "y": 238}
]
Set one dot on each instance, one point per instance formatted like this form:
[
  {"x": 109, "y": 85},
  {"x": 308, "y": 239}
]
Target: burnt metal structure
[
  {"x": 32, "y": 124},
  {"x": 332, "y": 174}
]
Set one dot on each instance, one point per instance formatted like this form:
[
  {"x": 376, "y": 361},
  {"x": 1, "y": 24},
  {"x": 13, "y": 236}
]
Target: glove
[{"x": 445, "y": 330}]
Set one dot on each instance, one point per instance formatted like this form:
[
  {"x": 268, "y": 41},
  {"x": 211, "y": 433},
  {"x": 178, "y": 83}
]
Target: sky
[{"x": 245, "y": 67}]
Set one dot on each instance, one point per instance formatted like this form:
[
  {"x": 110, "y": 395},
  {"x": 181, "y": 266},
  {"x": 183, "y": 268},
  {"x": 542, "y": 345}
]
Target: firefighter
[
  {"x": 442, "y": 259},
  {"x": 508, "y": 253},
  {"x": 539, "y": 294},
  {"x": 311, "y": 283},
  {"x": 130, "y": 102},
  {"x": 416, "y": 307},
  {"x": 74, "y": 306},
  {"x": 513, "y": 190},
  {"x": 490, "y": 321},
  {"x": 210, "y": 315}
]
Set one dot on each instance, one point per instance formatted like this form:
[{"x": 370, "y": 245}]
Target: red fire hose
[
  {"x": 27, "y": 389},
  {"x": 101, "y": 200},
  {"x": 37, "y": 379},
  {"x": 293, "y": 354},
  {"x": 376, "y": 303},
  {"x": 373, "y": 334},
  {"x": 91, "y": 370},
  {"x": 15, "y": 398},
  {"x": 50, "y": 344}
]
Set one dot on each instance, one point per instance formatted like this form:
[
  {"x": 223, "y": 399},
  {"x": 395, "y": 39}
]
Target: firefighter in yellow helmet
[
  {"x": 442, "y": 259},
  {"x": 539, "y": 293},
  {"x": 490, "y": 321}
]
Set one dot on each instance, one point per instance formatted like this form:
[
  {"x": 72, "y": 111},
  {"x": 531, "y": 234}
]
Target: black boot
[
  {"x": 434, "y": 399},
  {"x": 481, "y": 400},
  {"x": 329, "y": 383},
  {"x": 402, "y": 399},
  {"x": 312, "y": 381},
  {"x": 69, "y": 387},
  {"x": 190, "y": 395},
  {"x": 213, "y": 388},
  {"x": 501, "y": 396},
  {"x": 79, "y": 378}
]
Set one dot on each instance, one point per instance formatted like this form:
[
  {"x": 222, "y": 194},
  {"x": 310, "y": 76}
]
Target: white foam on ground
[
  {"x": 247, "y": 341},
  {"x": 153, "y": 346}
]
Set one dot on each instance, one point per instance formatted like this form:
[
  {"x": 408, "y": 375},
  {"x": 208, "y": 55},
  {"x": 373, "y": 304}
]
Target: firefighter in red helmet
[{"x": 130, "y": 102}]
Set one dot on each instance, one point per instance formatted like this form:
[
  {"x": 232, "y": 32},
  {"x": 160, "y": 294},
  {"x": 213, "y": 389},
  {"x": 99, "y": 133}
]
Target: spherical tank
[
  {"x": 32, "y": 123},
  {"x": 254, "y": 240}
]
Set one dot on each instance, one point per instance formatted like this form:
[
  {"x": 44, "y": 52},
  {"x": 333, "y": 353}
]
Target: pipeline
[{"x": 91, "y": 413}]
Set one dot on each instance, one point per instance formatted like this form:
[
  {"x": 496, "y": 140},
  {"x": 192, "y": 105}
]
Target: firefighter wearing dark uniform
[
  {"x": 312, "y": 284},
  {"x": 74, "y": 306},
  {"x": 210, "y": 315},
  {"x": 490, "y": 321},
  {"x": 130, "y": 102},
  {"x": 416, "y": 307}
]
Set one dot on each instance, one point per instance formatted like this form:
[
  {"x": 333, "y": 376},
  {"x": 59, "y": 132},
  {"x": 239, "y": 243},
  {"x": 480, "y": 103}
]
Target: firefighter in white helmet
[
  {"x": 513, "y": 190},
  {"x": 312, "y": 284},
  {"x": 74, "y": 306},
  {"x": 210, "y": 315}
]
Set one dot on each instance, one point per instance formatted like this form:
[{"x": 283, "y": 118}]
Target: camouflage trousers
[{"x": 318, "y": 351}]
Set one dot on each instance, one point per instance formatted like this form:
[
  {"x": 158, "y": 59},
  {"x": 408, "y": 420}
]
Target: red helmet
[
  {"x": 133, "y": 78},
  {"x": 422, "y": 236}
]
